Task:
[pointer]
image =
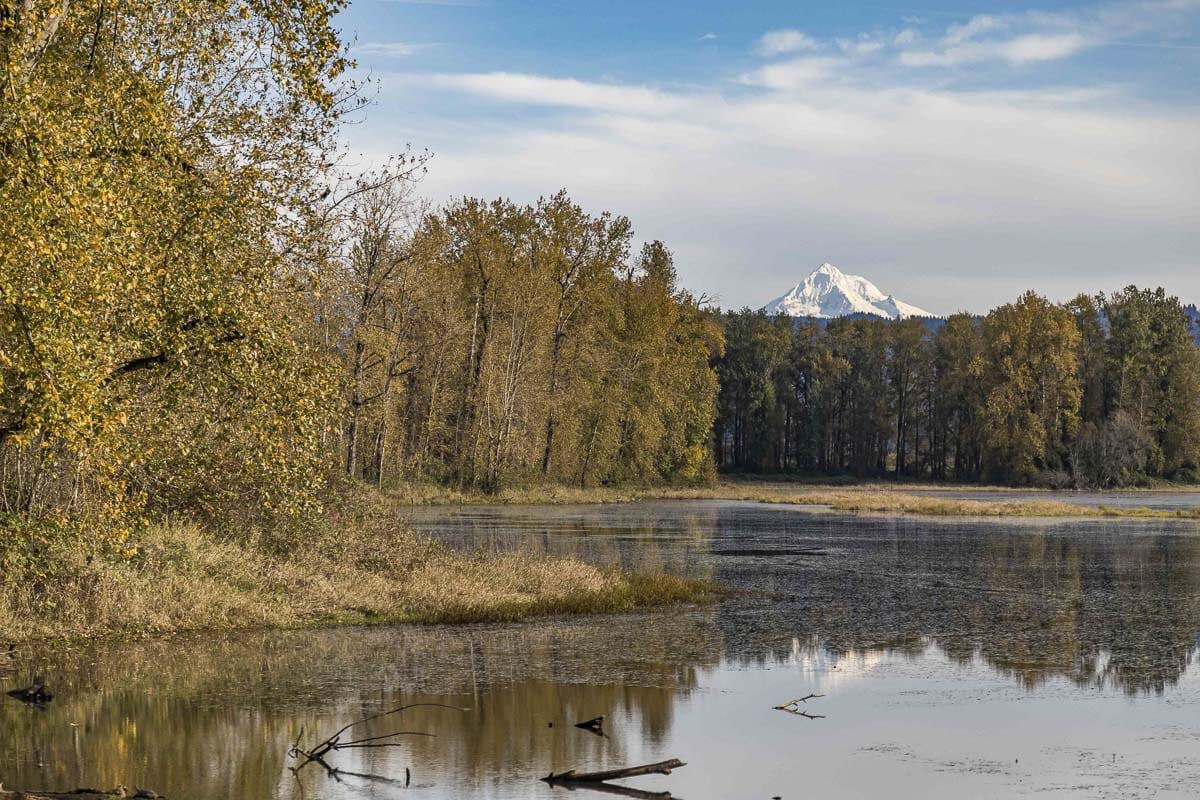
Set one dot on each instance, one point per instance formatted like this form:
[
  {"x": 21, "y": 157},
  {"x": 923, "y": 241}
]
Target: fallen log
[{"x": 657, "y": 768}]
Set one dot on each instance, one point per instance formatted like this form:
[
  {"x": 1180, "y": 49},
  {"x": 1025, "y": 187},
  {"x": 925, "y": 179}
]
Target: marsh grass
[
  {"x": 184, "y": 578},
  {"x": 864, "y": 498},
  {"x": 873, "y": 501}
]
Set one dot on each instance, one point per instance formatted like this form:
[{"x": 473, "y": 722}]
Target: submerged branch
[{"x": 333, "y": 743}]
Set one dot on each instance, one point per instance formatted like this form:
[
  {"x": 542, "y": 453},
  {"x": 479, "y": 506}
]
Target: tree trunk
[
  {"x": 551, "y": 420},
  {"x": 356, "y": 403}
]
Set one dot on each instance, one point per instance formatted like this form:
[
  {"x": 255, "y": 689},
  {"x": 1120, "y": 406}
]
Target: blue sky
[{"x": 954, "y": 153}]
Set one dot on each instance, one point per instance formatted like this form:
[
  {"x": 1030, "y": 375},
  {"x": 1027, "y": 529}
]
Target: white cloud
[
  {"x": 983, "y": 23},
  {"x": 559, "y": 92},
  {"x": 708, "y": 37},
  {"x": 389, "y": 49},
  {"x": 905, "y": 37},
  {"x": 864, "y": 45},
  {"x": 1016, "y": 51},
  {"x": 774, "y": 43},
  {"x": 1042, "y": 47},
  {"x": 1035, "y": 36},
  {"x": 793, "y": 74},
  {"x": 1044, "y": 189}
]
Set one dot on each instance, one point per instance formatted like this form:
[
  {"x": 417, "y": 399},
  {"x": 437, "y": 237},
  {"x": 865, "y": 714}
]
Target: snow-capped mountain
[{"x": 828, "y": 292}]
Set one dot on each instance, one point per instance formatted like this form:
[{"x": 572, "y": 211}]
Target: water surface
[{"x": 956, "y": 659}]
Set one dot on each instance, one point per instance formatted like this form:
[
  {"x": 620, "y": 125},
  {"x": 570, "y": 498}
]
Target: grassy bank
[
  {"x": 179, "y": 577},
  {"x": 864, "y": 498}
]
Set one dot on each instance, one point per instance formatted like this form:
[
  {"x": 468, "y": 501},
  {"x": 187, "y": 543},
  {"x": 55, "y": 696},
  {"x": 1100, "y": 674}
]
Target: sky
[{"x": 955, "y": 154}]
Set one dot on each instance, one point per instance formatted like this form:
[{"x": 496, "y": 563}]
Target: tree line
[
  {"x": 1101, "y": 391},
  {"x": 201, "y": 312}
]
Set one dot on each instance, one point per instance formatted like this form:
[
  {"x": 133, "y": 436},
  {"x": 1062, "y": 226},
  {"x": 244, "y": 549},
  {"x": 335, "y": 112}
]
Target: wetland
[{"x": 956, "y": 657}]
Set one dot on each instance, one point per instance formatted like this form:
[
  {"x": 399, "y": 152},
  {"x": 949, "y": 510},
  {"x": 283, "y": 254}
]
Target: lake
[{"x": 956, "y": 658}]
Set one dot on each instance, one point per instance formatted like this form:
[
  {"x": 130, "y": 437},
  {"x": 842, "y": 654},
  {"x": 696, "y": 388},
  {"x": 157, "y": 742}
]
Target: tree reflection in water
[
  {"x": 1108, "y": 603},
  {"x": 215, "y": 718}
]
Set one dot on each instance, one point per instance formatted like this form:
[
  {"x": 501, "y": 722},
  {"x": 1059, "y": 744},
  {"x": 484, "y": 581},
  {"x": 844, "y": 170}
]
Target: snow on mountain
[{"x": 828, "y": 292}]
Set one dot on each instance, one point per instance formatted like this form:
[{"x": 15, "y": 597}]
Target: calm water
[{"x": 957, "y": 659}]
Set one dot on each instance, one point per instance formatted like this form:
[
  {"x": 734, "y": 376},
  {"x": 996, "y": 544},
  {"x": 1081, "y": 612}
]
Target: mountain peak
[{"x": 828, "y": 292}]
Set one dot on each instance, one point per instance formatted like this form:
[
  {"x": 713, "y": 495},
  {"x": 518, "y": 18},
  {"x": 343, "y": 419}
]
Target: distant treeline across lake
[{"x": 1101, "y": 391}]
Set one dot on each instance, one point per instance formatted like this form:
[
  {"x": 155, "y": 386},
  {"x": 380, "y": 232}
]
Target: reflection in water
[
  {"x": 214, "y": 719},
  {"x": 943, "y": 626},
  {"x": 1100, "y": 602}
]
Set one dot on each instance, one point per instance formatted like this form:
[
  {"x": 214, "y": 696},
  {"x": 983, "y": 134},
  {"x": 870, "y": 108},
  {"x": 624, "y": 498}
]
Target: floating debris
[
  {"x": 34, "y": 694},
  {"x": 594, "y": 725},
  {"x": 793, "y": 707}
]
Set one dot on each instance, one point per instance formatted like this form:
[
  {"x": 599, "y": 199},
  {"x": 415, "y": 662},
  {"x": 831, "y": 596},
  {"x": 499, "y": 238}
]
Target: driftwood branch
[
  {"x": 793, "y": 707},
  {"x": 657, "y": 768}
]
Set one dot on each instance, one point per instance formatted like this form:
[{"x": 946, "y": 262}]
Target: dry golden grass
[
  {"x": 866, "y": 498},
  {"x": 184, "y": 579}
]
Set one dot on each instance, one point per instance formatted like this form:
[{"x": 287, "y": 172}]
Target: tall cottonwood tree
[
  {"x": 907, "y": 355},
  {"x": 1153, "y": 369},
  {"x": 372, "y": 289},
  {"x": 1033, "y": 391},
  {"x": 959, "y": 398},
  {"x": 160, "y": 164},
  {"x": 579, "y": 255}
]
